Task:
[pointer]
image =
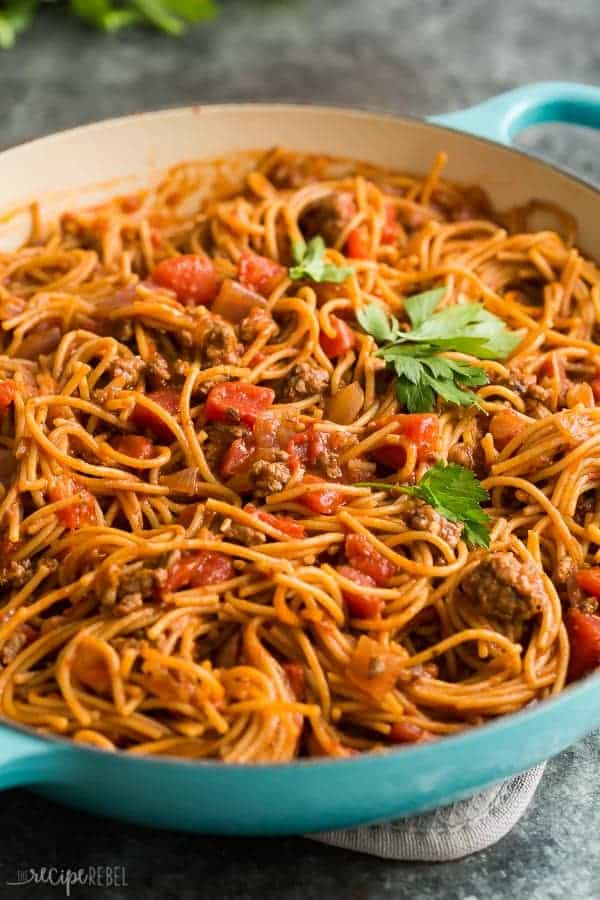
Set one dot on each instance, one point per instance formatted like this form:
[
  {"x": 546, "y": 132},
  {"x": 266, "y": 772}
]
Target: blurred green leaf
[
  {"x": 193, "y": 10},
  {"x": 15, "y": 17},
  {"x": 171, "y": 16},
  {"x": 157, "y": 12}
]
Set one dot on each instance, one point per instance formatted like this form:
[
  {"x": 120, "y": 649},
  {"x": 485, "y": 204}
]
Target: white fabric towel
[{"x": 448, "y": 833}]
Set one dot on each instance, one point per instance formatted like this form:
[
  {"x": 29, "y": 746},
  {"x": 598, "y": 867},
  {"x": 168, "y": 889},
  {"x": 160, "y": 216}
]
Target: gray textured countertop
[{"x": 407, "y": 57}]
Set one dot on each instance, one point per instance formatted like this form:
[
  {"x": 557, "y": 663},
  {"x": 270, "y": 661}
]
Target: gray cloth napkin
[{"x": 448, "y": 833}]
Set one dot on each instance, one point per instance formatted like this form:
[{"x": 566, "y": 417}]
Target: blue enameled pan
[{"x": 81, "y": 166}]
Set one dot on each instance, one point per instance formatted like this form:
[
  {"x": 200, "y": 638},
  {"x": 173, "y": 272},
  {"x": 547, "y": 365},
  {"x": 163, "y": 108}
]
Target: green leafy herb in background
[
  {"x": 422, "y": 373},
  {"x": 172, "y": 16},
  {"x": 311, "y": 263},
  {"x": 454, "y": 492}
]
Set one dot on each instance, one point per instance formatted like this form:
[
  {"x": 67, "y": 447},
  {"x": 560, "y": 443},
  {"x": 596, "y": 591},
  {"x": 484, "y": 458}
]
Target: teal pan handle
[
  {"x": 26, "y": 759},
  {"x": 501, "y": 118}
]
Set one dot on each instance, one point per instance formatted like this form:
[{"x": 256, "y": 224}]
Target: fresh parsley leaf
[
  {"x": 419, "y": 397},
  {"x": 455, "y": 493},
  {"x": 312, "y": 264},
  {"x": 375, "y": 322},
  {"x": 422, "y": 373},
  {"x": 466, "y": 328},
  {"x": 420, "y": 306}
]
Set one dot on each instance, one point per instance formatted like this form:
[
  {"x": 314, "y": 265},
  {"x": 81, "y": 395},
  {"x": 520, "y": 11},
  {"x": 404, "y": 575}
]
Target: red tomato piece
[
  {"x": 504, "y": 426},
  {"x": 259, "y": 273},
  {"x": 595, "y": 385},
  {"x": 304, "y": 448},
  {"x": 288, "y": 526},
  {"x": 391, "y": 455},
  {"x": 584, "y": 640},
  {"x": 421, "y": 429},
  {"x": 408, "y": 733},
  {"x": 364, "y": 557},
  {"x": 235, "y": 456},
  {"x": 143, "y": 417},
  {"x": 236, "y": 401},
  {"x": 193, "y": 278},
  {"x": 342, "y": 341},
  {"x": 589, "y": 581},
  {"x": 391, "y": 230},
  {"x": 80, "y": 513},
  {"x": 91, "y": 669},
  {"x": 361, "y": 605},
  {"x": 8, "y": 390},
  {"x": 198, "y": 569},
  {"x": 324, "y": 502},
  {"x": 134, "y": 445},
  {"x": 295, "y": 676},
  {"x": 358, "y": 243}
]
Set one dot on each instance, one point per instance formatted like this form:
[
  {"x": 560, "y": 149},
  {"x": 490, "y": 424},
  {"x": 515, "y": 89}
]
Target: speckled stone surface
[{"x": 408, "y": 57}]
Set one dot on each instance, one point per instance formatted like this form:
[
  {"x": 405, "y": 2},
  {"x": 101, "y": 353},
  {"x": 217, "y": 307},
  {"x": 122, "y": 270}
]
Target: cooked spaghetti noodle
[{"x": 197, "y": 570}]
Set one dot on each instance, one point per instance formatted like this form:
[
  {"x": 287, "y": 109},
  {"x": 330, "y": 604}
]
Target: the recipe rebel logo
[{"x": 91, "y": 876}]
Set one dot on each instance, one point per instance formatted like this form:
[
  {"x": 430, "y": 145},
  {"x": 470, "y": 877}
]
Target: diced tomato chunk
[
  {"x": 199, "y": 569},
  {"x": 342, "y": 341},
  {"x": 305, "y": 447},
  {"x": 589, "y": 581},
  {"x": 285, "y": 524},
  {"x": 504, "y": 426},
  {"x": 391, "y": 229},
  {"x": 193, "y": 278},
  {"x": 90, "y": 668},
  {"x": 81, "y": 512},
  {"x": 144, "y": 417},
  {"x": 238, "y": 453},
  {"x": 408, "y": 733},
  {"x": 595, "y": 385},
  {"x": 391, "y": 455},
  {"x": 584, "y": 640},
  {"x": 364, "y": 557},
  {"x": 134, "y": 445},
  {"x": 8, "y": 390},
  {"x": 295, "y": 676},
  {"x": 421, "y": 429},
  {"x": 259, "y": 273},
  {"x": 358, "y": 243},
  {"x": 236, "y": 401},
  {"x": 361, "y": 604},
  {"x": 323, "y": 502}
]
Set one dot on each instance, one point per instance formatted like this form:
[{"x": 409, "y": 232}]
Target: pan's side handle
[
  {"x": 26, "y": 759},
  {"x": 502, "y": 118}
]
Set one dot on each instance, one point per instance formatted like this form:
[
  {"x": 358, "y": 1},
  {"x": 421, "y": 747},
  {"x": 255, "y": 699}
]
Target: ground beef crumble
[
  {"x": 328, "y": 217},
  {"x": 504, "y": 587},
  {"x": 217, "y": 343},
  {"x": 304, "y": 381},
  {"x": 420, "y": 516},
  {"x": 269, "y": 477}
]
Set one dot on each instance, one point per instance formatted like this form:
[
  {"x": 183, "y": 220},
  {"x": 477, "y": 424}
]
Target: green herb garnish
[
  {"x": 422, "y": 373},
  {"x": 171, "y": 16},
  {"x": 455, "y": 493},
  {"x": 311, "y": 263}
]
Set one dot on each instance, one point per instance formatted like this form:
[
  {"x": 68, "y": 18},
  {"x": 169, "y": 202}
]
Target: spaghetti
[{"x": 193, "y": 562}]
